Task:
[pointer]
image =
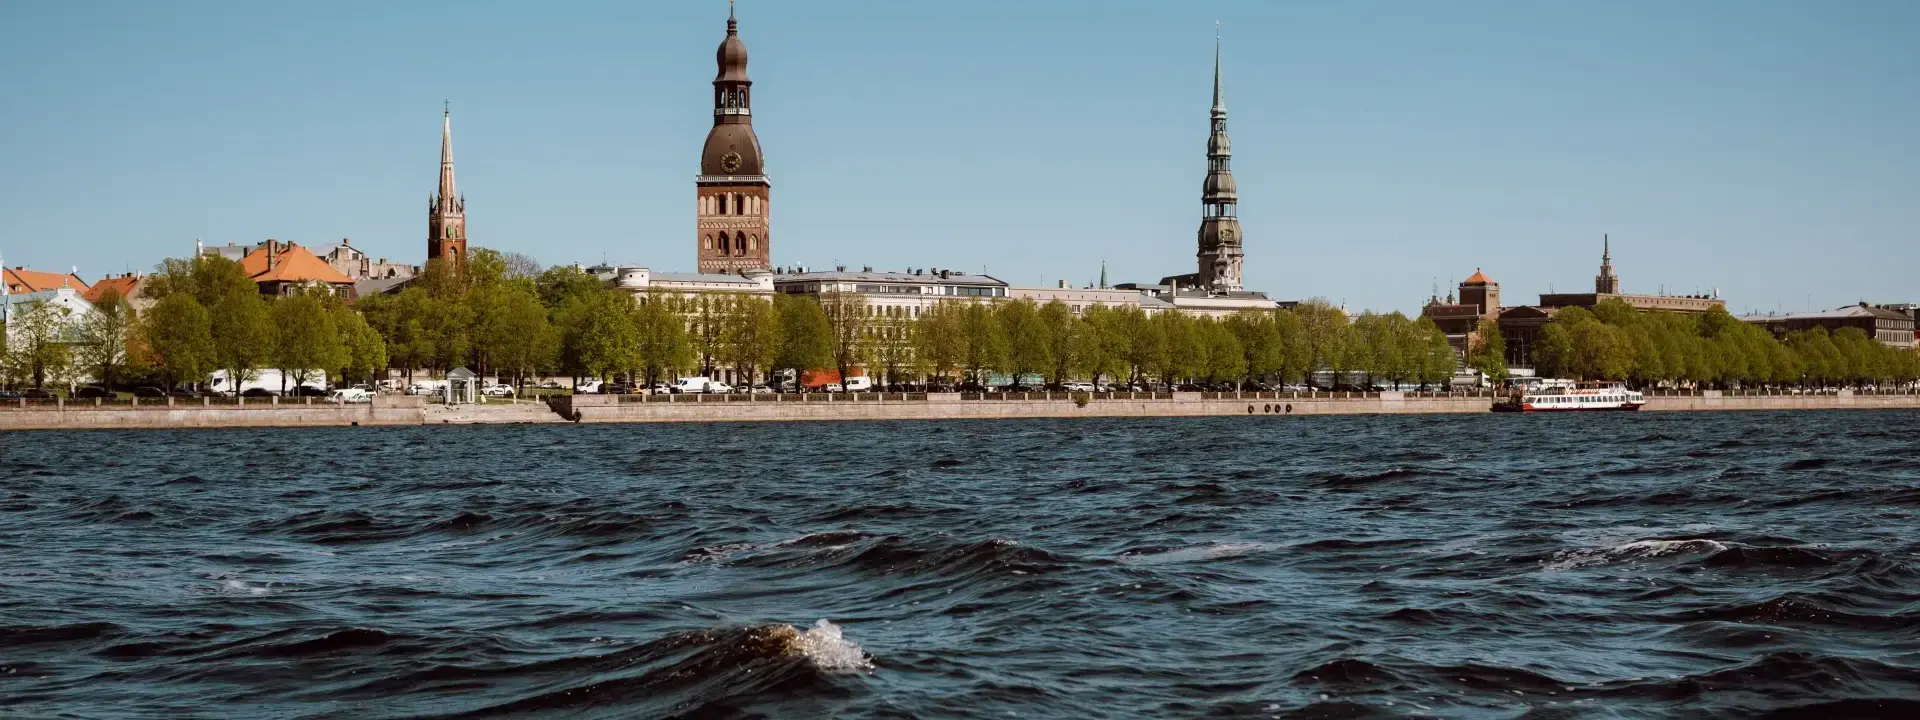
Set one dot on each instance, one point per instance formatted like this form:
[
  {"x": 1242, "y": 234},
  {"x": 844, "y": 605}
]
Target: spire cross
[{"x": 446, "y": 107}]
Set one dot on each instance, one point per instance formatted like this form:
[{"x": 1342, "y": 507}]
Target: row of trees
[
  {"x": 1616, "y": 342},
  {"x": 207, "y": 316}
]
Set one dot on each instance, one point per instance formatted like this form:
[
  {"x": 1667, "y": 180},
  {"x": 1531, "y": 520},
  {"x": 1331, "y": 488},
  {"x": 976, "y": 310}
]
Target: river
[{"x": 1594, "y": 565}]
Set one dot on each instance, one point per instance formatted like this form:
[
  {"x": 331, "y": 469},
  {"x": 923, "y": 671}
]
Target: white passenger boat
[{"x": 1567, "y": 395}]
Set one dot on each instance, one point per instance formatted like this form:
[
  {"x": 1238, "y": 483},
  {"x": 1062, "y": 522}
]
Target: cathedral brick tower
[
  {"x": 731, "y": 191},
  {"x": 1220, "y": 240},
  {"x": 447, "y": 211}
]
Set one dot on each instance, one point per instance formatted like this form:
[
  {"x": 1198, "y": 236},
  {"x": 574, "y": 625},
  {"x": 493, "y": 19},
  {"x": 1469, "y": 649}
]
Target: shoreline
[{"x": 408, "y": 411}]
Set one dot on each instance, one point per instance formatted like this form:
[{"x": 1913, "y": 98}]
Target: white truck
[
  {"x": 700, "y": 384},
  {"x": 266, "y": 379}
]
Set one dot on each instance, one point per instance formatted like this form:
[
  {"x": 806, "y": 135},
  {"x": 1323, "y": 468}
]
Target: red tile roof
[
  {"x": 22, "y": 280},
  {"x": 125, "y": 285},
  {"x": 291, "y": 263},
  {"x": 1478, "y": 278}
]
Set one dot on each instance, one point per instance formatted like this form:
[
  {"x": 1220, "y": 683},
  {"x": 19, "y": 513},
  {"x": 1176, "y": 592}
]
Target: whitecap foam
[
  {"x": 827, "y": 649},
  {"x": 1637, "y": 550},
  {"x": 1194, "y": 554}
]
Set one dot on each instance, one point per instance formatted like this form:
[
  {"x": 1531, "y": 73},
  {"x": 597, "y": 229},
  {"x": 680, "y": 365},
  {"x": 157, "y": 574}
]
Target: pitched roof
[
  {"x": 291, "y": 263},
  {"x": 1477, "y": 278},
  {"x": 22, "y": 280},
  {"x": 125, "y": 285}
]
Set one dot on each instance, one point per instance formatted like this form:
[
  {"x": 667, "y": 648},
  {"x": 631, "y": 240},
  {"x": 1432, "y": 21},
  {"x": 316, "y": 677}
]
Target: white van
[
  {"x": 696, "y": 384},
  {"x": 265, "y": 379},
  {"x": 859, "y": 383},
  {"x": 350, "y": 395}
]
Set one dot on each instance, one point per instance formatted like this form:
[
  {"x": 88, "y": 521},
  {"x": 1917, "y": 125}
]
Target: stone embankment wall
[
  {"x": 1756, "y": 400},
  {"x": 939, "y": 406},
  {"x": 203, "y": 413},
  {"x": 404, "y": 410}
]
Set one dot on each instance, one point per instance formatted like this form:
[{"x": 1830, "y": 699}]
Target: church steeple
[
  {"x": 447, "y": 210},
  {"x": 1220, "y": 253}
]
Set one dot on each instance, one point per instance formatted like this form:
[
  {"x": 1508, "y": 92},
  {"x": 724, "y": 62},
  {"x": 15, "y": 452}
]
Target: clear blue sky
[{"x": 1768, "y": 149}]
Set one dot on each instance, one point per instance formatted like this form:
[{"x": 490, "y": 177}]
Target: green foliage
[
  {"x": 1063, "y": 331},
  {"x": 940, "y": 338},
  {"x": 179, "y": 339},
  {"x": 751, "y": 335},
  {"x": 305, "y": 339},
  {"x": 243, "y": 333},
  {"x": 1029, "y": 342},
  {"x": 806, "y": 336},
  {"x": 103, "y": 336},
  {"x": 597, "y": 331},
  {"x": 39, "y": 340},
  {"x": 1487, "y": 351},
  {"x": 663, "y": 347}
]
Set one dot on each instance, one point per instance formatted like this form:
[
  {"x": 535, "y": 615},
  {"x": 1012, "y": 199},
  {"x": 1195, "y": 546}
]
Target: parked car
[
  {"x": 833, "y": 388},
  {"x": 258, "y": 393},
  {"x": 498, "y": 390},
  {"x": 37, "y": 394},
  {"x": 89, "y": 392},
  {"x": 661, "y": 389},
  {"x": 9, "y": 395},
  {"x": 306, "y": 391},
  {"x": 760, "y": 390},
  {"x": 859, "y": 383},
  {"x": 362, "y": 386},
  {"x": 696, "y": 384},
  {"x": 184, "y": 393},
  {"x": 716, "y": 387},
  {"x": 350, "y": 395},
  {"x": 587, "y": 387},
  {"x": 148, "y": 391},
  {"x": 615, "y": 388},
  {"x": 551, "y": 385},
  {"x": 1077, "y": 387}
]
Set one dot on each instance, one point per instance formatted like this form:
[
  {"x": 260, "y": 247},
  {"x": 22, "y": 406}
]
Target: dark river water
[{"x": 1605, "y": 565}]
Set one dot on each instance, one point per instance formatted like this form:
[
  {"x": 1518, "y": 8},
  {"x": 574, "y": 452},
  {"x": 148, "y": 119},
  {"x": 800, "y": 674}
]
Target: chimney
[
  {"x": 866, "y": 268},
  {"x": 1063, "y": 284}
]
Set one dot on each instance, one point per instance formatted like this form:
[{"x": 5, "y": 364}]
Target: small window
[
  {"x": 753, "y": 242},
  {"x": 706, "y": 243}
]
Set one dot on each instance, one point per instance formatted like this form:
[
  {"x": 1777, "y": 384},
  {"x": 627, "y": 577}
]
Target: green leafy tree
[
  {"x": 940, "y": 338},
  {"x": 1098, "y": 344},
  {"x": 847, "y": 322},
  {"x": 103, "y": 336},
  {"x": 806, "y": 335},
  {"x": 1029, "y": 349},
  {"x": 752, "y": 335},
  {"x": 1261, "y": 352},
  {"x": 243, "y": 332},
  {"x": 986, "y": 340},
  {"x": 40, "y": 337},
  {"x": 1487, "y": 351},
  {"x": 1062, "y": 336},
  {"x": 1438, "y": 360},
  {"x": 598, "y": 333},
  {"x": 365, "y": 351},
  {"x": 176, "y": 333},
  {"x": 515, "y": 331},
  {"x": 663, "y": 347},
  {"x": 305, "y": 340}
]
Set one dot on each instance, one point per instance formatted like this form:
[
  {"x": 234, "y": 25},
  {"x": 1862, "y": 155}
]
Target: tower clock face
[
  {"x": 730, "y": 162},
  {"x": 1226, "y": 234}
]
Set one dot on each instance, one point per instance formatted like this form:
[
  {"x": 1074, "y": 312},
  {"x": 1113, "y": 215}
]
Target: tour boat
[{"x": 1566, "y": 395}]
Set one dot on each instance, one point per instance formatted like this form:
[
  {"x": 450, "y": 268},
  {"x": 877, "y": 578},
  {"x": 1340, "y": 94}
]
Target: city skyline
[{"x": 567, "y": 182}]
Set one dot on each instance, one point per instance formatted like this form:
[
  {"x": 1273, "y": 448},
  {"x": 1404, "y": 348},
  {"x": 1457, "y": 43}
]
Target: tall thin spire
[
  {"x": 1606, "y": 282},
  {"x": 1219, "y": 92},
  {"x": 446, "y": 155}
]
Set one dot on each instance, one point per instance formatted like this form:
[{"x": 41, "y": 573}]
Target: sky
[{"x": 1768, "y": 150}]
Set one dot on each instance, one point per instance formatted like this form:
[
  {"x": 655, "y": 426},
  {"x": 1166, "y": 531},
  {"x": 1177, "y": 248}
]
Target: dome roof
[
  {"x": 1478, "y": 278},
  {"x": 732, "y": 55},
  {"x": 1218, "y": 144},
  {"x": 1220, "y": 184},
  {"x": 732, "y": 149}
]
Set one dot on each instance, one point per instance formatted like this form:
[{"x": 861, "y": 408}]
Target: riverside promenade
[{"x": 400, "y": 410}]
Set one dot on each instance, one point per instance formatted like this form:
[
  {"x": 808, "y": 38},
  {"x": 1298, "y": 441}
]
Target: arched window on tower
[
  {"x": 706, "y": 243},
  {"x": 725, "y": 244},
  {"x": 737, "y": 204},
  {"x": 739, "y": 243},
  {"x": 753, "y": 242}
]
